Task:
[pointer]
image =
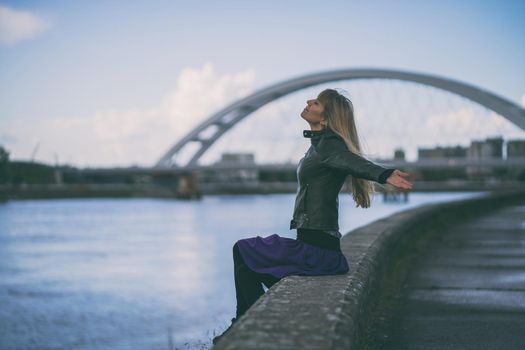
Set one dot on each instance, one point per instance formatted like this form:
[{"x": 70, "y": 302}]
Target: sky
[{"x": 116, "y": 83}]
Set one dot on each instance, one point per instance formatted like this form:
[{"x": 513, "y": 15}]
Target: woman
[{"x": 334, "y": 156}]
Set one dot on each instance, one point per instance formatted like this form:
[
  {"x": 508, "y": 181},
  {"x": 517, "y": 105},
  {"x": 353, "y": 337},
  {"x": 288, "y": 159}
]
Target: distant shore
[{"x": 156, "y": 191}]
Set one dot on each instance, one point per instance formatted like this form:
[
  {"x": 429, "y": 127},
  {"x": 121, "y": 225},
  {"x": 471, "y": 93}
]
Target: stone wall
[{"x": 330, "y": 312}]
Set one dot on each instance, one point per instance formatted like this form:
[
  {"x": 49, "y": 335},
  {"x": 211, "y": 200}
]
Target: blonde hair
[{"x": 339, "y": 113}]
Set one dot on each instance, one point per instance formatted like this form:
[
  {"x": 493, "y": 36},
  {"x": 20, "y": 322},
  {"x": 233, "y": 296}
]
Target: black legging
[{"x": 248, "y": 286}]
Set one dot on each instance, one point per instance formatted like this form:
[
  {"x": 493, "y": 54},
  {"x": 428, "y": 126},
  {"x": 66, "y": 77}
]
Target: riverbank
[{"x": 158, "y": 191}]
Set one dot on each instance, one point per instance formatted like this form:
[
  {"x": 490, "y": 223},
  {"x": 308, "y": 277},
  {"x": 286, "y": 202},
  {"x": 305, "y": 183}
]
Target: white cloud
[
  {"x": 134, "y": 135},
  {"x": 201, "y": 92},
  {"x": 453, "y": 126},
  {"x": 523, "y": 100},
  {"x": 16, "y": 25}
]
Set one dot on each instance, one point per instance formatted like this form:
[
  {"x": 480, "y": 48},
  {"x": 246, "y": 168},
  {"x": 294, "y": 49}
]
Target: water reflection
[{"x": 135, "y": 273}]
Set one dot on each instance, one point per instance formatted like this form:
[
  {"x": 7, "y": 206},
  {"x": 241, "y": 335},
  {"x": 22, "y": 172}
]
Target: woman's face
[{"x": 312, "y": 114}]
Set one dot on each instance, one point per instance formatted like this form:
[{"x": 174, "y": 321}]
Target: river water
[{"x": 137, "y": 273}]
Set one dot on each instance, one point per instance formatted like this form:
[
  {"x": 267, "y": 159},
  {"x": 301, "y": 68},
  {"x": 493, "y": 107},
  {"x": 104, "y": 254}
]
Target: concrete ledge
[{"x": 329, "y": 312}]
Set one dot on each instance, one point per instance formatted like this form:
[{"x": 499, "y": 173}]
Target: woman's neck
[{"x": 316, "y": 127}]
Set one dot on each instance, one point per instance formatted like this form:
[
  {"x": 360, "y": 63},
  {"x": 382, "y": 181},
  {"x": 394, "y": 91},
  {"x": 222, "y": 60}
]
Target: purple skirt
[{"x": 281, "y": 256}]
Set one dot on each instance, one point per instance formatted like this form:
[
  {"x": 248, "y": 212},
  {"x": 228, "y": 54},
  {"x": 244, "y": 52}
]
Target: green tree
[{"x": 4, "y": 165}]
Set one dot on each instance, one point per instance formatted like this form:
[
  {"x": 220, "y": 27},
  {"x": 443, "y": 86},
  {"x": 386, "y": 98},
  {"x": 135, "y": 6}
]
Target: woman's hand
[{"x": 397, "y": 179}]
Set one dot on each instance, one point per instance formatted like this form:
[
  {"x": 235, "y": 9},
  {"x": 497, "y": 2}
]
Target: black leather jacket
[{"x": 321, "y": 174}]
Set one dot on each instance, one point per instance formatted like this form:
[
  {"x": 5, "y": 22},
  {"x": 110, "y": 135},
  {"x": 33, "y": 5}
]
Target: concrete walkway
[{"x": 466, "y": 290}]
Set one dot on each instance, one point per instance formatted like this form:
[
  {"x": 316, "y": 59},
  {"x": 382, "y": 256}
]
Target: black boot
[{"x": 226, "y": 331}]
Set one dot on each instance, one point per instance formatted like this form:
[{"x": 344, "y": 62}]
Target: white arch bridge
[{"x": 208, "y": 132}]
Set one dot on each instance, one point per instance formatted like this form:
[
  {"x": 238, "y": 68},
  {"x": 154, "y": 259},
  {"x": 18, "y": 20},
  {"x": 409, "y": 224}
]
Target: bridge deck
[{"x": 466, "y": 288}]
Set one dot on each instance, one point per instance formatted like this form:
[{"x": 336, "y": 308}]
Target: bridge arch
[{"x": 223, "y": 120}]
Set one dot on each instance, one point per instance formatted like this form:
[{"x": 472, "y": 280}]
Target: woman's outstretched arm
[{"x": 336, "y": 155}]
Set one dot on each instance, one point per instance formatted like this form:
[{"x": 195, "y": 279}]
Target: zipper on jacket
[{"x": 305, "y": 199}]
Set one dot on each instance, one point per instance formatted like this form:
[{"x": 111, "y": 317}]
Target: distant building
[
  {"x": 399, "y": 154},
  {"x": 442, "y": 152},
  {"x": 515, "y": 148},
  {"x": 491, "y": 148},
  {"x": 237, "y": 158},
  {"x": 442, "y": 155},
  {"x": 230, "y": 168}
]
